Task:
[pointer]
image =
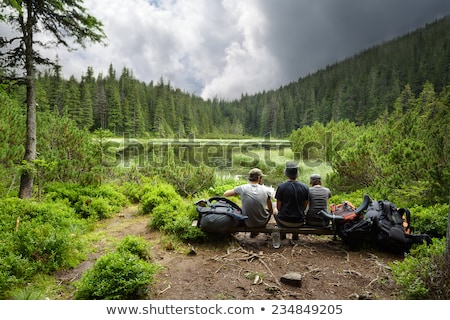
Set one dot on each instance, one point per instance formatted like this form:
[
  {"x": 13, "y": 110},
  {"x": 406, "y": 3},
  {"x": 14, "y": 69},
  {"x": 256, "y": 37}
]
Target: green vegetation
[
  {"x": 380, "y": 128},
  {"x": 37, "y": 237},
  {"x": 401, "y": 156},
  {"x": 116, "y": 276},
  {"x": 423, "y": 273}
]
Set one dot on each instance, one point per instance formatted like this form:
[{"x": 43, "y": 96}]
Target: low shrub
[
  {"x": 116, "y": 276},
  {"x": 159, "y": 194},
  {"x": 430, "y": 220},
  {"x": 189, "y": 179},
  {"x": 175, "y": 218},
  {"x": 423, "y": 273},
  {"x": 135, "y": 189},
  {"x": 37, "y": 237},
  {"x": 135, "y": 245},
  {"x": 48, "y": 235},
  {"x": 14, "y": 270},
  {"x": 92, "y": 201}
]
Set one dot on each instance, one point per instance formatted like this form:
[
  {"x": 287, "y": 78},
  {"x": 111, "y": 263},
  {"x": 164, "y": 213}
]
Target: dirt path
[{"x": 249, "y": 268}]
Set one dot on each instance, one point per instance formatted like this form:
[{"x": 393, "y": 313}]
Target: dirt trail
[{"x": 250, "y": 268}]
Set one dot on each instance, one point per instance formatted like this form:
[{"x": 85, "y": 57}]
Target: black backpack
[
  {"x": 391, "y": 227},
  {"x": 218, "y": 215}
]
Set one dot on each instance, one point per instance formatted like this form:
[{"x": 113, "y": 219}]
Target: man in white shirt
[{"x": 255, "y": 198}]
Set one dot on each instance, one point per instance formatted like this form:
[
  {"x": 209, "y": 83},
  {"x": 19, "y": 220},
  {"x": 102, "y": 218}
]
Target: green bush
[
  {"x": 116, "y": 276},
  {"x": 95, "y": 208},
  {"x": 14, "y": 269},
  {"x": 135, "y": 245},
  {"x": 93, "y": 201},
  {"x": 423, "y": 273},
  {"x": 160, "y": 193},
  {"x": 430, "y": 220},
  {"x": 175, "y": 218},
  {"x": 189, "y": 179},
  {"x": 37, "y": 237},
  {"x": 182, "y": 227},
  {"x": 134, "y": 190},
  {"x": 45, "y": 244},
  {"x": 48, "y": 235}
]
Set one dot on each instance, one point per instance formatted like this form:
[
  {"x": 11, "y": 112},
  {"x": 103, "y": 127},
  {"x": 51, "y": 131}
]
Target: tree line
[{"x": 359, "y": 89}]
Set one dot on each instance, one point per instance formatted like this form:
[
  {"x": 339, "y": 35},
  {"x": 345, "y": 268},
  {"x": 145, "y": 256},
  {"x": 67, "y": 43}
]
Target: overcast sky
[{"x": 225, "y": 48}]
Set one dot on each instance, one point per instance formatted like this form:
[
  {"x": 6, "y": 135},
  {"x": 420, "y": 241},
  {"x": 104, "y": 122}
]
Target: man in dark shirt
[{"x": 292, "y": 198}]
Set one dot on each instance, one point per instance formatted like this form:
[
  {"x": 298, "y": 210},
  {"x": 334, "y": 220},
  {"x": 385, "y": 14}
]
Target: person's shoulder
[
  {"x": 303, "y": 184},
  {"x": 283, "y": 184}
]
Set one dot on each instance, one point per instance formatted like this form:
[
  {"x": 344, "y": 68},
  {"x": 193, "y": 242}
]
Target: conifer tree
[
  {"x": 59, "y": 19},
  {"x": 86, "y": 120}
]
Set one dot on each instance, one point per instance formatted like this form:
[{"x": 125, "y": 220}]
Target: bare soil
[{"x": 244, "y": 268}]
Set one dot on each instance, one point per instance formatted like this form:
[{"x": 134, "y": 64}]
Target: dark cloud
[
  {"x": 225, "y": 48},
  {"x": 309, "y": 34}
]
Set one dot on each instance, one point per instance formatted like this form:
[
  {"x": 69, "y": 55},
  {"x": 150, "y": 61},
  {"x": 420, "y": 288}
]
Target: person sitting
[
  {"x": 256, "y": 200},
  {"x": 292, "y": 199},
  {"x": 318, "y": 200}
]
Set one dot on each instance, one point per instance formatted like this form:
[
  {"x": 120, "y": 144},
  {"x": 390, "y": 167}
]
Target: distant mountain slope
[{"x": 358, "y": 88}]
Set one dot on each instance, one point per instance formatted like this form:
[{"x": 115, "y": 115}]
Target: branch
[{"x": 12, "y": 80}]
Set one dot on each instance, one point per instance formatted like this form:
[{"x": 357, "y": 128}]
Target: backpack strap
[
  {"x": 231, "y": 203},
  {"x": 406, "y": 216}
]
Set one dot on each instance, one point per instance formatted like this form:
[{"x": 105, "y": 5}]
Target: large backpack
[
  {"x": 391, "y": 227},
  {"x": 379, "y": 223},
  {"x": 218, "y": 215}
]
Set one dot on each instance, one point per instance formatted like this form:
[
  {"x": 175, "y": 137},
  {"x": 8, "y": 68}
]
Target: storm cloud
[{"x": 226, "y": 48}]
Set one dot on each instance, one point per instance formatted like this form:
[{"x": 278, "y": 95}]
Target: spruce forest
[
  {"x": 358, "y": 89},
  {"x": 377, "y": 123}
]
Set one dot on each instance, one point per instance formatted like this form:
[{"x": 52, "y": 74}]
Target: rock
[{"x": 292, "y": 278}]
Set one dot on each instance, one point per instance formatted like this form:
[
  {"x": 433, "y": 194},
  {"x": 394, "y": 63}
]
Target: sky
[{"x": 226, "y": 48}]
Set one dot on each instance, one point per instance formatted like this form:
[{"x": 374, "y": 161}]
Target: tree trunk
[
  {"x": 27, "y": 178},
  {"x": 447, "y": 248}
]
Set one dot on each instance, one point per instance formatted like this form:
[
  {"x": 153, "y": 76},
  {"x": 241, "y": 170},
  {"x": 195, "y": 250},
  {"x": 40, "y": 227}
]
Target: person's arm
[
  {"x": 306, "y": 204},
  {"x": 269, "y": 205},
  {"x": 229, "y": 193},
  {"x": 278, "y": 205}
]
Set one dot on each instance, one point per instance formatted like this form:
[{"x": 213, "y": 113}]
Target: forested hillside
[{"x": 358, "y": 89}]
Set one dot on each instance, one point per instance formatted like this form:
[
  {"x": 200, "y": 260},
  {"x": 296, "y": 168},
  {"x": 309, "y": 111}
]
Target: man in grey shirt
[
  {"x": 318, "y": 200},
  {"x": 255, "y": 198}
]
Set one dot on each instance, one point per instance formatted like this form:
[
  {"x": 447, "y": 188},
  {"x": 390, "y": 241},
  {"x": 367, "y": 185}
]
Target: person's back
[
  {"x": 318, "y": 200},
  {"x": 254, "y": 201},
  {"x": 255, "y": 197},
  {"x": 292, "y": 198}
]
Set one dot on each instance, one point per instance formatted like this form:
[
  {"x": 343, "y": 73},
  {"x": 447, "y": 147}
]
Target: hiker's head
[
  {"x": 315, "y": 179},
  {"x": 255, "y": 174},
  {"x": 291, "y": 171}
]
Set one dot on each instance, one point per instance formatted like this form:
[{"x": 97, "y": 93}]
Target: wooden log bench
[{"x": 268, "y": 228}]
